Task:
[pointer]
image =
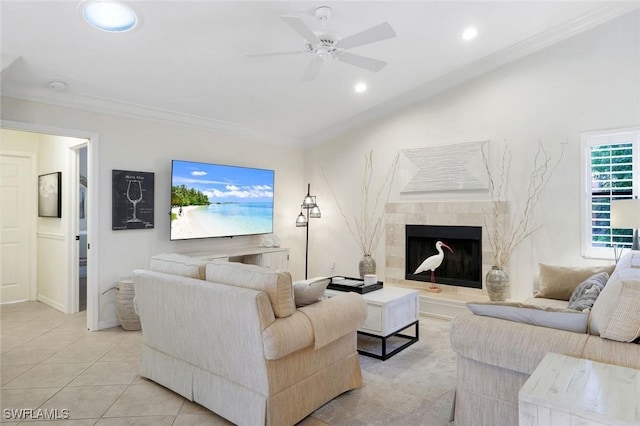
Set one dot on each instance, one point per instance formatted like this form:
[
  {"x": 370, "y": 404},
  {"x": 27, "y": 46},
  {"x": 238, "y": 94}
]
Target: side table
[
  {"x": 390, "y": 310},
  {"x": 572, "y": 391}
]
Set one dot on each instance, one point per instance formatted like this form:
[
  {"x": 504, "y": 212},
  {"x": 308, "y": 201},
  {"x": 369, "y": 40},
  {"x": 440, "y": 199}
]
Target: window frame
[{"x": 603, "y": 137}]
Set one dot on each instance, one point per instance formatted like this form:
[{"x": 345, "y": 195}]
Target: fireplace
[{"x": 461, "y": 268}]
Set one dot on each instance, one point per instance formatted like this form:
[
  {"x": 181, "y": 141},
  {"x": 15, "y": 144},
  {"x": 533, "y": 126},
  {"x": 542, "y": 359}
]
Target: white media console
[{"x": 270, "y": 257}]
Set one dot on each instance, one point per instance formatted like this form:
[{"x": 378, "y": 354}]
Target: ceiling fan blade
[
  {"x": 301, "y": 28},
  {"x": 370, "y": 64},
  {"x": 312, "y": 69},
  {"x": 258, "y": 55},
  {"x": 373, "y": 34}
]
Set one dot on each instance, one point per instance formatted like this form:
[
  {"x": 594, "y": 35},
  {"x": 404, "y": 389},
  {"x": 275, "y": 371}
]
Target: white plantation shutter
[
  {"x": 611, "y": 179},
  {"x": 611, "y": 168}
]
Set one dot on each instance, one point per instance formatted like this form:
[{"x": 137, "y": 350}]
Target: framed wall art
[
  {"x": 132, "y": 200},
  {"x": 50, "y": 195}
]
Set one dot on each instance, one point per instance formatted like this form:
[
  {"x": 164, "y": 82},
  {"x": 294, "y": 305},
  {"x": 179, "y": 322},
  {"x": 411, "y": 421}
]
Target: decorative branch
[
  {"x": 366, "y": 225},
  {"x": 504, "y": 238}
]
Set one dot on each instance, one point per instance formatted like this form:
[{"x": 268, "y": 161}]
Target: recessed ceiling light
[
  {"x": 109, "y": 16},
  {"x": 469, "y": 34},
  {"x": 361, "y": 87}
]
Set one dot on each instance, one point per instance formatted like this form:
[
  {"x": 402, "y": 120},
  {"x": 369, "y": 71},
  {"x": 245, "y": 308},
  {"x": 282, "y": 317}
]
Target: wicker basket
[{"x": 127, "y": 316}]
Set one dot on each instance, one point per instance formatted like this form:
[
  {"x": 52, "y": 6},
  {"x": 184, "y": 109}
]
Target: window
[{"x": 611, "y": 171}]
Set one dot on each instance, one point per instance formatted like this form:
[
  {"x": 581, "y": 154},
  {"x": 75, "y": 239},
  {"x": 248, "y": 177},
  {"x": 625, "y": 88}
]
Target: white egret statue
[{"x": 432, "y": 263}]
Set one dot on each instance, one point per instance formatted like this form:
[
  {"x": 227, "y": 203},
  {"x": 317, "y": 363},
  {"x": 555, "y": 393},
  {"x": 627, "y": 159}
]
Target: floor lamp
[
  {"x": 312, "y": 211},
  {"x": 626, "y": 214}
]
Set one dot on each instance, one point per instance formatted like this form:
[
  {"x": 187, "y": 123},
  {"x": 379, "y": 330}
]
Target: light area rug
[{"x": 414, "y": 387}]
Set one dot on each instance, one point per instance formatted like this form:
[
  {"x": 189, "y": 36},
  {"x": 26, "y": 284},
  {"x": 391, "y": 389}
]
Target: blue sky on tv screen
[{"x": 225, "y": 183}]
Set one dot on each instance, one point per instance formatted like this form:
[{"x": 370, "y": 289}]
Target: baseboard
[
  {"x": 55, "y": 305},
  {"x": 14, "y": 301},
  {"x": 441, "y": 308},
  {"x": 108, "y": 324}
]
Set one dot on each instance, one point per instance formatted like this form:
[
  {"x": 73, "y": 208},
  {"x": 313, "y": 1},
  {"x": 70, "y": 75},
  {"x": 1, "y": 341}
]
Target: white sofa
[
  {"x": 496, "y": 356},
  {"x": 236, "y": 344}
]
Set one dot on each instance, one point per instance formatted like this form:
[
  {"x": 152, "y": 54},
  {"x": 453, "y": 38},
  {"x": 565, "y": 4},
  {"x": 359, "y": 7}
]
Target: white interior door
[{"x": 16, "y": 213}]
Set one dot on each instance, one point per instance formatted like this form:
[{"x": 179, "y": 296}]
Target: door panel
[{"x": 15, "y": 248}]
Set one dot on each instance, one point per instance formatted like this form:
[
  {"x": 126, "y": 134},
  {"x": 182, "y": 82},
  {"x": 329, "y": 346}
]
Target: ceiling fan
[{"x": 326, "y": 46}]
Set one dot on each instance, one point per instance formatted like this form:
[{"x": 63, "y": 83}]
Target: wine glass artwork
[
  {"x": 132, "y": 200},
  {"x": 134, "y": 194}
]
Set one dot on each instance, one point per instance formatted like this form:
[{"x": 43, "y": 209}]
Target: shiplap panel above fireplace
[{"x": 456, "y": 167}]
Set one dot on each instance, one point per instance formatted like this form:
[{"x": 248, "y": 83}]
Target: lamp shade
[
  {"x": 309, "y": 201},
  {"x": 301, "y": 220},
  {"x": 625, "y": 214},
  {"x": 315, "y": 212}
]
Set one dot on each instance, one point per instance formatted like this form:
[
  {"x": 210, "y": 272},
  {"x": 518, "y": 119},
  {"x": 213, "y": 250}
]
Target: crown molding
[
  {"x": 131, "y": 110},
  {"x": 489, "y": 63}
]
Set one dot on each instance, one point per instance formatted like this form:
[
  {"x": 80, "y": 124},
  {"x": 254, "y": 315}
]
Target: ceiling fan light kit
[{"x": 327, "y": 46}]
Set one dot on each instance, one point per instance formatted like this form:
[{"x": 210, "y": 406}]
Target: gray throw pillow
[
  {"x": 585, "y": 295},
  {"x": 309, "y": 291},
  {"x": 543, "y": 316}
]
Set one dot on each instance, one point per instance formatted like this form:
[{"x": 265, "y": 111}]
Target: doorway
[{"x": 75, "y": 154}]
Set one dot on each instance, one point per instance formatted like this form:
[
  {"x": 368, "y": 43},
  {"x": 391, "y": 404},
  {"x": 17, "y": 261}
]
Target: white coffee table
[{"x": 390, "y": 310}]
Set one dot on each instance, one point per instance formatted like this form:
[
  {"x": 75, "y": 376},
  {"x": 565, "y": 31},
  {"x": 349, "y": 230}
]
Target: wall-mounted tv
[{"x": 215, "y": 200}]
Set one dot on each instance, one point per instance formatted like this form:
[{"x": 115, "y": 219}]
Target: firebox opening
[{"x": 462, "y": 268}]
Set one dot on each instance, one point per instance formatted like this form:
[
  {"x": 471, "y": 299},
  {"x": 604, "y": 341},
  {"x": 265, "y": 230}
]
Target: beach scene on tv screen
[{"x": 212, "y": 200}]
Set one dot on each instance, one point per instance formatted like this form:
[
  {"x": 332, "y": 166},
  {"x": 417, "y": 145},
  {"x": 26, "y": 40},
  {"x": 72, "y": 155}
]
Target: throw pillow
[
  {"x": 585, "y": 295},
  {"x": 629, "y": 260},
  {"x": 309, "y": 291},
  {"x": 558, "y": 318},
  {"x": 616, "y": 313},
  {"x": 558, "y": 282}
]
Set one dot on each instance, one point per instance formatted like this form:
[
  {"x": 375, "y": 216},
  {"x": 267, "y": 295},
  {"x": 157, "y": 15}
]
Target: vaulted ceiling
[{"x": 187, "y": 60}]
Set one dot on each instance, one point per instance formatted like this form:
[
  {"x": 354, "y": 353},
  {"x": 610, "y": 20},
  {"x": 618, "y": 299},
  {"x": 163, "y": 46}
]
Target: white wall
[
  {"x": 588, "y": 82},
  {"x": 12, "y": 140},
  {"x": 145, "y": 145}
]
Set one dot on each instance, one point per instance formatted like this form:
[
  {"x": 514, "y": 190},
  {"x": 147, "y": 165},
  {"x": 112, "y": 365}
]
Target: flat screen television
[{"x": 216, "y": 200}]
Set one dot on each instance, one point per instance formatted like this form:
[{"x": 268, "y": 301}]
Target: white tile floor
[{"x": 49, "y": 361}]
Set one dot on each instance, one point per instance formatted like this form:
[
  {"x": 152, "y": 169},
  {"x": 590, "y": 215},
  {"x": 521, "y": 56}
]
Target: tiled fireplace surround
[{"x": 452, "y": 213}]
